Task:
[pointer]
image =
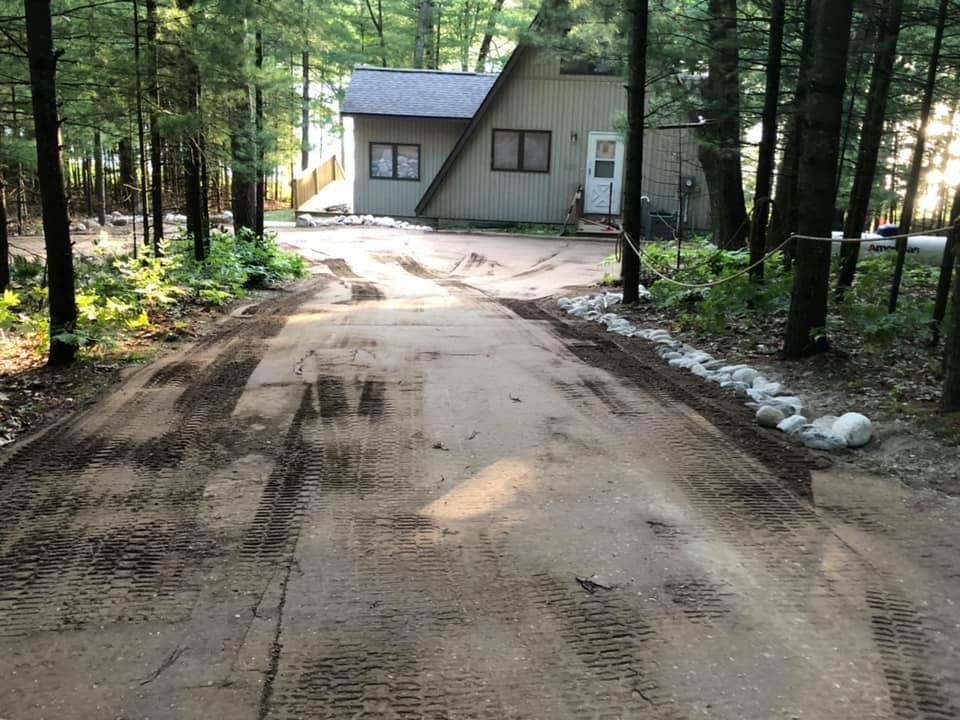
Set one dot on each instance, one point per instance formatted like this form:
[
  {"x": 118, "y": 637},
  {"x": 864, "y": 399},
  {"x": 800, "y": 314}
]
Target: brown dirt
[{"x": 897, "y": 388}]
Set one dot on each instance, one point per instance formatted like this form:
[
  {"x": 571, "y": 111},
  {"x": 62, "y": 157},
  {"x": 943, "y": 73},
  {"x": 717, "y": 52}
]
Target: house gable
[{"x": 530, "y": 95}]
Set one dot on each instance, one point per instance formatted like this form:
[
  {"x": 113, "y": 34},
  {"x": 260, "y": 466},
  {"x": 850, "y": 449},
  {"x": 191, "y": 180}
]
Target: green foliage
[
  {"x": 740, "y": 304},
  {"x": 119, "y": 294},
  {"x": 863, "y": 309}
]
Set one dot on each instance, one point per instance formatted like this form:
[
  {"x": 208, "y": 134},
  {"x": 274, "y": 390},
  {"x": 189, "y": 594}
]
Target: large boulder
[
  {"x": 854, "y": 428},
  {"x": 769, "y": 416}
]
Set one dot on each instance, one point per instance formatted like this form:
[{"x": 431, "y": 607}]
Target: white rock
[
  {"x": 745, "y": 375},
  {"x": 680, "y": 362},
  {"x": 825, "y": 422},
  {"x": 304, "y": 221},
  {"x": 855, "y": 428},
  {"x": 758, "y": 382},
  {"x": 792, "y": 425},
  {"x": 789, "y": 403},
  {"x": 699, "y": 370},
  {"x": 740, "y": 387},
  {"x": 770, "y": 388},
  {"x": 769, "y": 416},
  {"x": 700, "y": 357},
  {"x": 758, "y": 396},
  {"x": 819, "y": 438},
  {"x": 228, "y": 215}
]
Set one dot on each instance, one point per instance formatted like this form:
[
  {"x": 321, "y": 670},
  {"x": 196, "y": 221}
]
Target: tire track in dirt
[
  {"x": 99, "y": 518},
  {"x": 761, "y": 512}
]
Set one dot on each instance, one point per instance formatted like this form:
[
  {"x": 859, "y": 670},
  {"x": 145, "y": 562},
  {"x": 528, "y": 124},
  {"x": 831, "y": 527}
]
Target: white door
[{"x": 604, "y": 185}]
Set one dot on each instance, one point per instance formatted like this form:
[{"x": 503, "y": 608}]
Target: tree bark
[
  {"x": 424, "y": 37},
  {"x": 916, "y": 166},
  {"x": 243, "y": 189},
  {"x": 305, "y": 120},
  {"x": 768, "y": 140},
  {"x": 56, "y": 223},
  {"x": 101, "y": 178},
  {"x": 4, "y": 240},
  {"x": 785, "y": 207},
  {"x": 141, "y": 140},
  {"x": 127, "y": 173},
  {"x": 193, "y": 151},
  {"x": 484, "y": 53},
  {"x": 156, "y": 145},
  {"x": 950, "y": 400},
  {"x": 871, "y": 136},
  {"x": 636, "y": 100},
  {"x": 946, "y": 269},
  {"x": 261, "y": 153},
  {"x": 817, "y": 169},
  {"x": 719, "y": 150}
]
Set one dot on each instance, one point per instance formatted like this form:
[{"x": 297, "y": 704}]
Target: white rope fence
[{"x": 796, "y": 236}]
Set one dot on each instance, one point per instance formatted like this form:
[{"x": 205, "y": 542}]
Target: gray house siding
[
  {"x": 376, "y": 196},
  {"x": 536, "y": 97}
]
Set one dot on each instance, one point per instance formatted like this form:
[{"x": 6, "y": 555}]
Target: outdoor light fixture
[{"x": 573, "y": 137}]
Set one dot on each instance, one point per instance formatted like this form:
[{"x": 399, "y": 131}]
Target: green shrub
[{"x": 118, "y": 294}]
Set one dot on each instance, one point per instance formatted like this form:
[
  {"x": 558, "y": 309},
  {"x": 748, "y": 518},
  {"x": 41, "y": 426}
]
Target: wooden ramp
[{"x": 321, "y": 186}]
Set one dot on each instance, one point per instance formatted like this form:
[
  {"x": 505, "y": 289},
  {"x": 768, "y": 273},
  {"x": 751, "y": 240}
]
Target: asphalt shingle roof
[{"x": 416, "y": 93}]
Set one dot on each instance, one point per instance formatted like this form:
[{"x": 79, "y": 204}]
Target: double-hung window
[
  {"x": 394, "y": 161},
  {"x": 521, "y": 151}
]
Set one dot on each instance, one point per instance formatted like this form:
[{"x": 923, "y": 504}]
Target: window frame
[
  {"x": 394, "y": 146},
  {"x": 520, "y": 144}
]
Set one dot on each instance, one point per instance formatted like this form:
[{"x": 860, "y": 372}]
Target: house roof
[{"x": 416, "y": 93}]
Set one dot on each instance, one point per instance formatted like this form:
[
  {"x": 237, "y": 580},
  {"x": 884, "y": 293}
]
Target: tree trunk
[
  {"x": 156, "y": 146},
  {"x": 127, "y": 173},
  {"x": 305, "y": 107},
  {"x": 946, "y": 269},
  {"x": 785, "y": 207},
  {"x": 913, "y": 181},
  {"x": 871, "y": 136},
  {"x": 950, "y": 400},
  {"x": 56, "y": 224},
  {"x": 484, "y": 53},
  {"x": 141, "y": 140},
  {"x": 261, "y": 153},
  {"x": 101, "y": 178},
  {"x": 817, "y": 169},
  {"x": 719, "y": 150},
  {"x": 424, "y": 36},
  {"x": 4, "y": 241},
  {"x": 768, "y": 140},
  {"x": 636, "y": 100},
  {"x": 243, "y": 189}
]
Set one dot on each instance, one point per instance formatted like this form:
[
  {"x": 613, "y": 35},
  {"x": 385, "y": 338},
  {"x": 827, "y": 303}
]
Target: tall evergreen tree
[
  {"x": 817, "y": 171},
  {"x": 56, "y": 224}
]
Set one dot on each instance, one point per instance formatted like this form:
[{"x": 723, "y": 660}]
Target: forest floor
[{"x": 405, "y": 489}]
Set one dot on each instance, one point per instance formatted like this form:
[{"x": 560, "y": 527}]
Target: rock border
[{"x": 774, "y": 408}]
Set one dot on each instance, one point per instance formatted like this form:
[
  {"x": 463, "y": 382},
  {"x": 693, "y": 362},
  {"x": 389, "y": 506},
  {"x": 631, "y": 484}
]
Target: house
[{"x": 508, "y": 148}]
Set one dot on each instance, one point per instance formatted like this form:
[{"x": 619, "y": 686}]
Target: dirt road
[{"x": 372, "y": 498}]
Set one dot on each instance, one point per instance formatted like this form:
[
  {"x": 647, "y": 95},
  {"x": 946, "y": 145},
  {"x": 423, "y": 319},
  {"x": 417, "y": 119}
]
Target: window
[
  {"x": 390, "y": 161},
  {"x": 521, "y": 150}
]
